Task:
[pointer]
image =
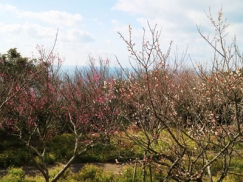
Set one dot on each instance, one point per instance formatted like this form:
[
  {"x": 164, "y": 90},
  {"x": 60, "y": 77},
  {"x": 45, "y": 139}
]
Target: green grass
[{"x": 60, "y": 149}]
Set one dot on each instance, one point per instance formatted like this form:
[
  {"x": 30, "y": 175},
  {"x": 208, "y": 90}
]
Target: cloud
[
  {"x": 38, "y": 31},
  {"x": 110, "y": 42},
  {"x": 54, "y": 17},
  {"x": 171, "y": 16},
  {"x": 7, "y": 7},
  {"x": 124, "y": 29},
  {"x": 158, "y": 8},
  {"x": 28, "y": 29},
  {"x": 179, "y": 20},
  {"x": 10, "y": 28},
  {"x": 154, "y": 8},
  {"x": 178, "y": 14},
  {"x": 43, "y": 25},
  {"x": 77, "y": 35},
  {"x": 119, "y": 26}
]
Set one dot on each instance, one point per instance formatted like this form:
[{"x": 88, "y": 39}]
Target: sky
[{"x": 89, "y": 28}]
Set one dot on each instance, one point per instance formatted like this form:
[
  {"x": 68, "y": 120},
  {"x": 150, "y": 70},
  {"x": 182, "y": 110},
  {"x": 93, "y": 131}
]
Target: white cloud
[
  {"x": 77, "y": 35},
  {"x": 30, "y": 30},
  {"x": 178, "y": 20},
  {"x": 57, "y": 18},
  {"x": 110, "y": 42},
  {"x": 157, "y": 8},
  {"x": 179, "y": 13},
  {"x": 10, "y": 28},
  {"x": 70, "y": 36},
  {"x": 197, "y": 17},
  {"x": 118, "y": 26},
  {"x": 80, "y": 35},
  {"x": 53, "y": 17},
  {"x": 153, "y": 8},
  {"x": 41, "y": 28},
  {"x": 124, "y": 29},
  {"x": 7, "y": 7}
]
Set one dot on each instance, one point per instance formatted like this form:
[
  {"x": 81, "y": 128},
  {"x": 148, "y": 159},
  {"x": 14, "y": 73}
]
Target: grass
[{"x": 126, "y": 150}]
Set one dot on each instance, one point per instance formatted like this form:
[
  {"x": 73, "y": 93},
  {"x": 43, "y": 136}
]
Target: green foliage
[
  {"x": 15, "y": 175},
  {"x": 237, "y": 164},
  {"x": 61, "y": 147},
  {"x": 13, "y": 157},
  {"x": 37, "y": 178},
  {"x": 13, "y": 64},
  {"x": 231, "y": 178},
  {"x": 216, "y": 167},
  {"x": 12, "y": 151},
  {"x": 127, "y": 174},
  {"x": 55, "y": 170},
  {"x": 92, "y": 173},
  {"x": 50, "y": 158},
  {"x": 239, "y": 145},
  {"x": 99, "y": 153}
]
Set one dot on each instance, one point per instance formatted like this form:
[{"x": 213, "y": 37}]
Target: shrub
[
  {"x": 99, "y": 153},
  {"x": 54, "y": 171},
  {"x": 13, "y": 158},
  {"x": 50, "y": 158},
  {"x": 127, "y": 175},
  {"x": 64, "y": 152},
  {"x": 14, "y": 174},
  {"x": 92, "y": 173},
  {"x": 237, "y": 164},
  {"x": 12, "y": 152}
]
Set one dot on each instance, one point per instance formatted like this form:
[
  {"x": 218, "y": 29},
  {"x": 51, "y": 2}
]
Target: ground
[{"x": 112, "y": 167}]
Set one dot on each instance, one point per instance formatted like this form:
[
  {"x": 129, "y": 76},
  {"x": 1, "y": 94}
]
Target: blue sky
[{"x": 90, "y": 27}]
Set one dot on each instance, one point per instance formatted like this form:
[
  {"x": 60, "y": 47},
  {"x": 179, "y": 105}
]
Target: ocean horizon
[{"x": 70, "y": 69}]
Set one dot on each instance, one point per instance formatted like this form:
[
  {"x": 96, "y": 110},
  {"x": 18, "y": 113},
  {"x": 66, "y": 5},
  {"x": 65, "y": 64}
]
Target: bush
[
  {"x": 127, "y": 175},
  {"x": 231, "y": 178},
  {"x": 61, "y": 147},
  {"x": 14, "y": 174},
  {"x": 92, "y": 173},
  {"x": 237, "y": 164},
  {"x": 13, "y": 158},
  {"x": 12, "y": 152},
  {"x": 54, "y": 171},
  {"x": 50, "y": 158},
  {"x": 99, "y": 153}
]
